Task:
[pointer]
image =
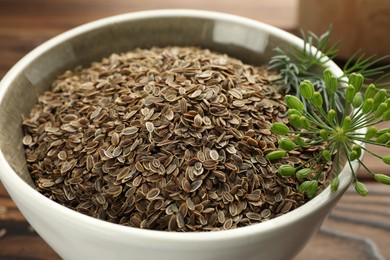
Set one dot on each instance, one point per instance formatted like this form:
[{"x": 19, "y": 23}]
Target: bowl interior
[{"x": 247, "y": 40}]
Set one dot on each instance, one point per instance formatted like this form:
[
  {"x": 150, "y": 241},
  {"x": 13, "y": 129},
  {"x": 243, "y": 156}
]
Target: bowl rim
[{"x": 10, "y": 178}]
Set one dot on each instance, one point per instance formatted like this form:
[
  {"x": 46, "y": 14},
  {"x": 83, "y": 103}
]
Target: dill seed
[{"x": 167, "y": 139}]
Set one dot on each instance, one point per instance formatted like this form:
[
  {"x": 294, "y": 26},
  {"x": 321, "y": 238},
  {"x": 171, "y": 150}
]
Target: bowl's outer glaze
[{"x": 76, "y": 236}]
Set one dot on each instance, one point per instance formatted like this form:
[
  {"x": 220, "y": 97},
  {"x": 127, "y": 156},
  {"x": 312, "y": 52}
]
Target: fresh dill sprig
[
  {"x": 298, "y": 64},
  {"x": 339, "y": 134}
]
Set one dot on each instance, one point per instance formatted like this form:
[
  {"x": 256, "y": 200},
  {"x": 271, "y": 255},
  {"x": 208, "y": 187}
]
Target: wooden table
[{"x": 25, "y": 24}]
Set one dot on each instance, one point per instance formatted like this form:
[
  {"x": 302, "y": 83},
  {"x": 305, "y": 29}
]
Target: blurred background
[
  {"x": 359, "y": 24},
  {"x": 359, "y": 228}
]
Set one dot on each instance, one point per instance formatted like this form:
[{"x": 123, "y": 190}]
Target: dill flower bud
[
  {"x": 370, "y": 91},
  {"x": 386, "y": 159},
  {"x": 296, "y": 121},
  {"x": 353, "y": 155},
  {"x": 305, "y": 122},
  {"x": 379, "y": 97},
  {"x": 357, "y": 100},
  {"x": 286, "y": 144},
  {"x": 367, "y": 106},
  {"x": 293, "y": 111},
  {"x": 326, "y": 154},
  {"x": 327, "y": 75},
  {"x": 358, "y": 149},
  {"x": 331, "y": 115},
  {"x": 306, "y": 89},
  {"x": 312, "y": 189},
  {"x": 324, "y": 135},
  {"x": 334, "y": 185},
  {"x": 371, "y": 132},
  {"x": 381, "y": 178},
  {"x": 383, "y": 138},
  {"x": 347, "y": 122},
  {"x": 331, "y": 82},
  {"x": 332, "y": 85},
  {"x": 361, "y": 189},
  {"x": 317, "y": 100},
  {"x": 380, "y": 110},
  {"x": 386, "y": 115},
  {"x": 286, "y": 170},
  {"x": 294, "y": 102},
  {"x": 350, "y": 94},
  {"x": 275, "y": 155},
  {"x": 303, "y": 186},
  {"x": 299, "y": 141},
  {"x": 279, "y": 128},
  {"x": 356, "y": 80},
  {"x": 303, "y": 173}
]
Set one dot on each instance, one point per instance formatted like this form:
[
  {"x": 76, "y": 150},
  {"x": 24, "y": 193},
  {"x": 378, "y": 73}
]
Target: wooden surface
[
  {"x": 360, "y": 24},
  {"x": 24, "y": 24}
]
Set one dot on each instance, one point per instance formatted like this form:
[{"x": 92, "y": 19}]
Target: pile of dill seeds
[{"x": 168, "y": 138}]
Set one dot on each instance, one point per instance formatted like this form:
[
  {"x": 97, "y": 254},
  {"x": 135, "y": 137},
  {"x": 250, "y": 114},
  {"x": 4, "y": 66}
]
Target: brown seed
[
  {"x": 233, "y": 210},
  {"x": 115, "y": 191},
  {"x": 152, "y": 194},
  {"x": 95, "y": 113},
  {"x": 171, "y": 209},
  {"x": 137, "y": 181},
  {"x": 228, "y": 197},
  {"x": 221, "y": 217},
  {"x": 123, "y": 173},
  {"x": 172, "y": 224},
  {"x": 169, "y": 115},
  {"x": 180, "y": 221},
  {"x": 67, "y": 165},
  {"x": 231, "y": 149},
  {"x": 166, "y": 138},
  {"x": 115, "y": 139},
  {"x": 206, "y": 120},
  {"x": 253, "y": 216},
  {"x": 62, "y": 155},
  {"x": 266, "y": 213},
  {"x": 89, "y": 162},
  {"x": 221, "y": 176},
  {"x": 186, "y": 186},
  {"x": 27, "y": 140},
  {"x": 234, "y": 121},
  {"x": 228, "y": 224},
  {"x": 171, "y": 168},
  {"x": 183, "y": 106},
  {"x": 198, "y": 120},
  {"x": 72, "y": 181},
  {"x": 239, "y": 103},
  {"x": 130, "y": 130},
  {"x": 149, "y": 126},
  {"x": 210, "y": 164},
  {"x": 235, "y": 93},
  {"x": 214, "y": 155},
  {"x": 117, "y": 151},
  {"x": 201, "y": 156},
  {"x": 287, "y": 206},
  {"x": 190, "y": 204},
  {"x": 195, "y": 94},
  {"x": 195, "y": 185},
  {"x": 183, "y": 209}
]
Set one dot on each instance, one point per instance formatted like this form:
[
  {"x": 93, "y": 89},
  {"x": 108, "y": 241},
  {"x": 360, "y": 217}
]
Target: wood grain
[
  {"x": 360, "y": 24},
  {"x": 24, "y": 24}
]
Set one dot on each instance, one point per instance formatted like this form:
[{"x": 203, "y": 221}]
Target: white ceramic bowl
[{"x": 76, "y": 236}]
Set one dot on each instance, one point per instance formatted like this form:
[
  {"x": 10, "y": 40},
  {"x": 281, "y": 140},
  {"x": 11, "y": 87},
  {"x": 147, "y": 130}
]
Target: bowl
[{"x": 76, "y": 236}]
